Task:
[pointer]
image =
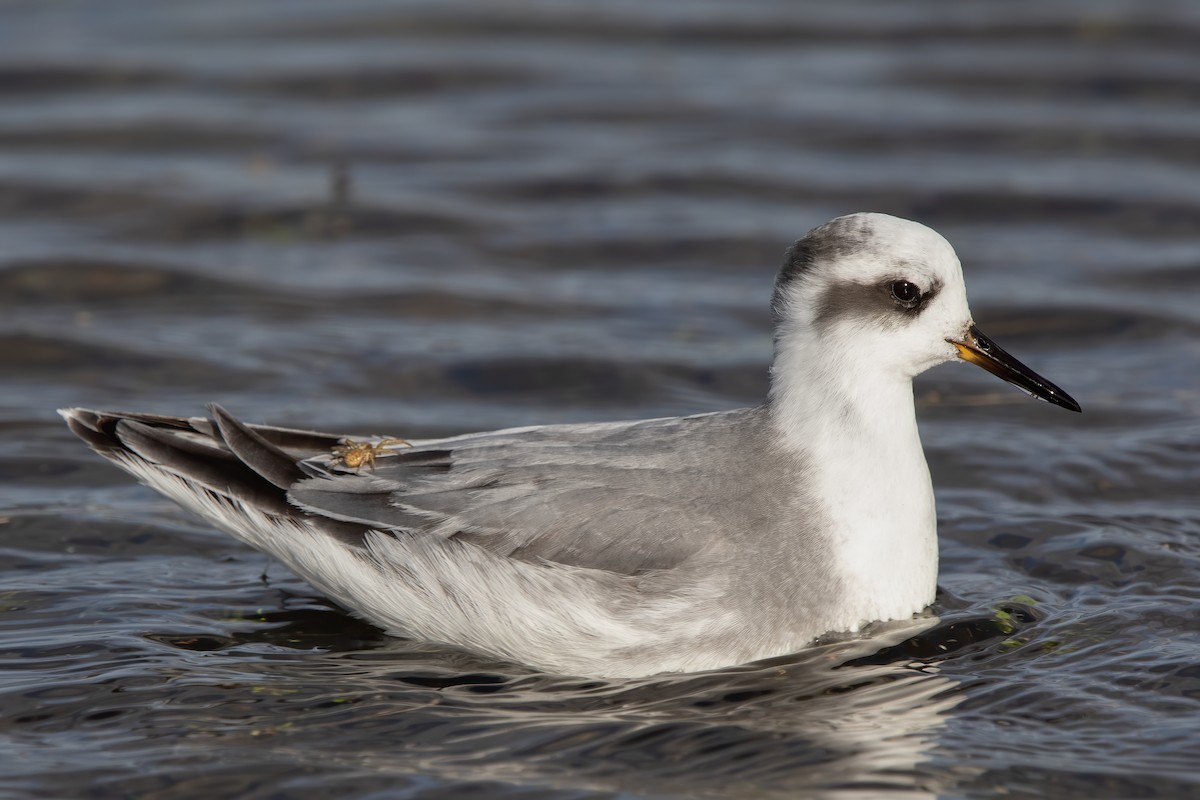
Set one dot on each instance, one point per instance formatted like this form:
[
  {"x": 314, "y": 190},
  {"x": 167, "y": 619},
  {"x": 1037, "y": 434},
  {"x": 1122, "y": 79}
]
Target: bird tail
[{"x": 200, "y": 460}]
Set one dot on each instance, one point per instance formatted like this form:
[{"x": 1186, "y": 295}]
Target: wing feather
[
  {"x": 578, "y": 495},
  {"x": 581, "y": 495}
]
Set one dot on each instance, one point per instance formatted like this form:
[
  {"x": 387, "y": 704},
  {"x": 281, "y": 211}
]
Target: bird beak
[{"x": 978, "y": 349}]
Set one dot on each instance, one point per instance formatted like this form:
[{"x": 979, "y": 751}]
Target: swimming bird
[{"x": 624, "y": 549}]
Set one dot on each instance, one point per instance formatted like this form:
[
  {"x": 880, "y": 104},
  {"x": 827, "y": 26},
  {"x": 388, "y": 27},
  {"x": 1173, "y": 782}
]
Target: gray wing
[{"x": 623, "y": 497}]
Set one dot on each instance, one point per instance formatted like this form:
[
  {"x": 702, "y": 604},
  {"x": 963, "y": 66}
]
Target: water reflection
[{"x": 825, "y": 721}]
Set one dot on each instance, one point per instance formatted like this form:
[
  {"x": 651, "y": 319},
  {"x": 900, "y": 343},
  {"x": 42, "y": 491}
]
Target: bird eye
[{"x": 906, "y": 293}]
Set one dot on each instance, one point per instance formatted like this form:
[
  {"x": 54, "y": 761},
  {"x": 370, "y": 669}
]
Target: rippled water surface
[{"x": 422, "y": 218}]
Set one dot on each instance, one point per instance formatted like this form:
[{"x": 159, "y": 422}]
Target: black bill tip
[{"x": 980, "y": 350}]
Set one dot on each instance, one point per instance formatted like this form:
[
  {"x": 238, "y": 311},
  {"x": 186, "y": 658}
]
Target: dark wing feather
[
  {"x": 256, "y": 451},
  {"x": 222, "y": 475},
  {"x": 196, "y": 449}
]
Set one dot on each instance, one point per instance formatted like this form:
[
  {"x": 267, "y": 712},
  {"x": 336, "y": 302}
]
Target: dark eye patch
[{"x": 886, "y": 304}]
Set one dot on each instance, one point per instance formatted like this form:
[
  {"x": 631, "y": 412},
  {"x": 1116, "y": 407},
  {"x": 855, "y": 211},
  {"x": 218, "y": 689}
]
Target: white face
[{"x": 876, "y": 288}]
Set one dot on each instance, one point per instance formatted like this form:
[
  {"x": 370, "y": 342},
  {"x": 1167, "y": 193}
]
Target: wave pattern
[{"x": 426, "y": 217}]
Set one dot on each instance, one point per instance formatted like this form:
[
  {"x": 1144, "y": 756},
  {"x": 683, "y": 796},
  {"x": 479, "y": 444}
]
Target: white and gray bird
[{"x": 628, "y": 548}]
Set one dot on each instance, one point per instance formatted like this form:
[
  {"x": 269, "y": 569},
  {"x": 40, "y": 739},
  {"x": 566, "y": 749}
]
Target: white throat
[{"x": 858, "y": 430}]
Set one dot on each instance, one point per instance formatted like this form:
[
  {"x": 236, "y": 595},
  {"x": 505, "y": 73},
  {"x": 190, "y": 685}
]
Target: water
[{"x": 427, "y": 217}]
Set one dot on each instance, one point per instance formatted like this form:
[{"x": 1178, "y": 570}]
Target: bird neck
[
  {"x": 822, "y": 392},
  {"x": 855, "y": 428}
]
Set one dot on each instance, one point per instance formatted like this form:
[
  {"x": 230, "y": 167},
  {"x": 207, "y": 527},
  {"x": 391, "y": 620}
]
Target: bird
[{"x": 628, "y": 549}]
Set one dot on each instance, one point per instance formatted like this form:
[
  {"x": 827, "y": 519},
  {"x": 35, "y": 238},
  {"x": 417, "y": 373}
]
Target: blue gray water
[{"x": 422, "y": 218}]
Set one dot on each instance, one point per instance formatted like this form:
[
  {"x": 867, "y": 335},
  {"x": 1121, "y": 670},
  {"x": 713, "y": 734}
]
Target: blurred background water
[{"x": 422, "y": 218}]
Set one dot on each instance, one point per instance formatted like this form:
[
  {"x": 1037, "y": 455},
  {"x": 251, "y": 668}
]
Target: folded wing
[{"x": 578, "y": 495}]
